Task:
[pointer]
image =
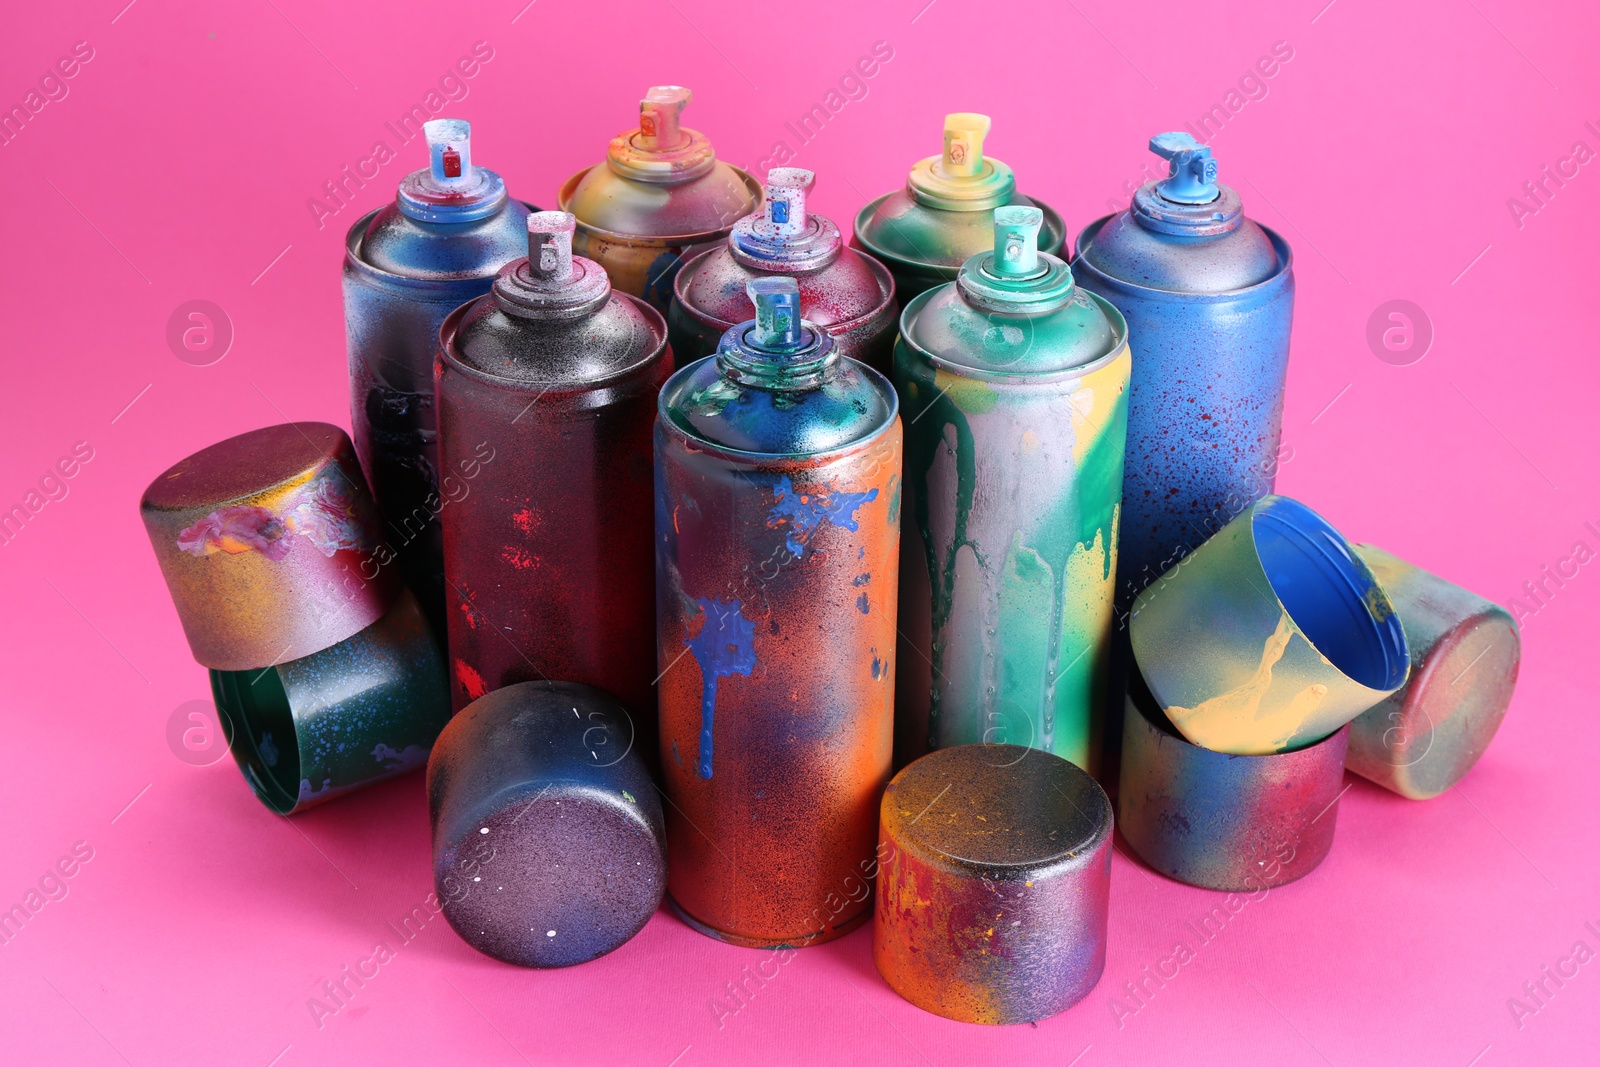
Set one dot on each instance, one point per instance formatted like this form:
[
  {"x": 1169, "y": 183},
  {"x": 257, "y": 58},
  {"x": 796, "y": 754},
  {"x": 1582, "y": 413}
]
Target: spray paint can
[
  {"x": 1208, "y": 295},
  {"x": 777, "y": 514},
  {"x": 1015, "y": 383},
  {"x": 941, "y": 219},
  {"x": 547, "y": 394},
  {"x": 849, "y": 294},
  {"x": 660, "y": 196},
  {"x": 406, "y": 266}
]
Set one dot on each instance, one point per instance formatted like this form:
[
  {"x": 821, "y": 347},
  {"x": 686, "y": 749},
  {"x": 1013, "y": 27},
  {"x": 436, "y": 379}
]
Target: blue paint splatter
[
  {"x": 861, "y": 579},
  {"x": 806, "y": 511},
  {"x": 861, "y": 603},
  {"x": 726, "y": 644},
  {"x": 877, "y": 667}
]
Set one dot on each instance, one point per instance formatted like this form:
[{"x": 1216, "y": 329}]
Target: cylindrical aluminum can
[
  {"x": 846, "y": 292},
  {"x": 547, "y": 833},
  {"x": 1220, "y": 821},
  {"x": 1465, "y": 650},
  {"x": 777, "y": 514},
  {"x": 1014, "y": 382},
  {"x": 1208, "y": 295},
  {"x": 994, "y": 884},
  {"x": 660, "y": 196},
  {"x": 547, "y": 393},
  {"x": 406, "y": 266},
  {"x": 926, "y": 231}
]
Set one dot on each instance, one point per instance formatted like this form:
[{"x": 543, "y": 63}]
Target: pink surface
[{"x": 178, "y": 167}]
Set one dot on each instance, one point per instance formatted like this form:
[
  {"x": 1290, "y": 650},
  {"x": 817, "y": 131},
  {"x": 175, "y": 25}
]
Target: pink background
[{"x": 179, "y": 166}]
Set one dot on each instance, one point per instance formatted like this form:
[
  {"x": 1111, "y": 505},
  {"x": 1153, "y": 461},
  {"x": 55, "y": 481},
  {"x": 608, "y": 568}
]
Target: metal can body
[
  {"x": 407, "y": 266},
  {"x": 1012, "y": 494},
  {"x": 776, "y": 600},
  {"x": 547, "y": 551},
  {"x": 1016, "y": 411},
  {"x": 1205, "y": 409}
]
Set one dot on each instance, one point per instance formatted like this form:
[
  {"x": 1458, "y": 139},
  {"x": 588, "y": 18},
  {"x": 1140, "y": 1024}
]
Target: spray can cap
[
  {"x": 451, "y": 189},
  {"x": 552, "y": 282},
  {"x": 783, "y": 236},
  {"x": 962, "y": 178},
  {"x": 661, "y": 150},
  {"x": 1015, "y": 277},
  {"x": 1192, "y": 178}
]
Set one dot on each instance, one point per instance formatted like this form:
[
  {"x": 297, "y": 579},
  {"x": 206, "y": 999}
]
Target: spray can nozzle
[
  {"x": 449, "y": 153},
  {"x": 1016, "y": 241},
  {"x": 658, "y": 117},
  {"x": 964, "y": 132},
  {"x": 777, "y": 301},
  {"x": 785, "y": 212},
  {"x": 1193, "y": 175},
  {"x": 550, "y": 244}
]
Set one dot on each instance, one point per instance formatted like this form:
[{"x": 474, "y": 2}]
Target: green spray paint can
[{"x": 1013, "y": 382}]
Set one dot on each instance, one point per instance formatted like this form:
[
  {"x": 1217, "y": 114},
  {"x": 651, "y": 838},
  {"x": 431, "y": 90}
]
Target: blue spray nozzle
[
  {"x": 777, "y": 301},
  {"x": 1193, "y": 177},
  {"x": 449, "y": 153}
]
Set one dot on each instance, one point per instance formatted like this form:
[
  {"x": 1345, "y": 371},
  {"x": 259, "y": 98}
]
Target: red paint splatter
[
  {"x": 518, "y": 557},
  {"x": 525, "y": 520},
  {"x": 471, "y": 681}
]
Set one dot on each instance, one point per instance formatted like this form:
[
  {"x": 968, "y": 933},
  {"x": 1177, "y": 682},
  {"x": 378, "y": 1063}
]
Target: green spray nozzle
[
  {"x": 1193, "y": 175},
  {"x": 777, "y": 301},
  {"x": 1016, "y": 241}
]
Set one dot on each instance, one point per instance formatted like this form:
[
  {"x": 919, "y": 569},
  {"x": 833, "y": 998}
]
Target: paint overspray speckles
[{"x": 725, "y": 645}]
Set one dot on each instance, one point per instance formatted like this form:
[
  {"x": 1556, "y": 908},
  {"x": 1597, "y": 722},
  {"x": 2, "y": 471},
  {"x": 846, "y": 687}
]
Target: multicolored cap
[
  {"x": 552, "y": 282},
  {"x": 267, "y": 541},
  {"x": 962, "y": 178},
  {"x": 660, "y": 150},
  {"x": 782, "y": 236},
  {"x": 1188, "y": 201},
  {"x": 451, "y": 189},
  {"x": 1015, "y": 277}
]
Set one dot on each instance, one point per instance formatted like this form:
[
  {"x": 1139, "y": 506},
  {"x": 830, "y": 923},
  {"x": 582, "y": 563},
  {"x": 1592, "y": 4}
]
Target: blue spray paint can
[
  {"x": 777, "y": 545},
  {"x": 1208, "y": 295},
  {"x": 440, "y": 244}
]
